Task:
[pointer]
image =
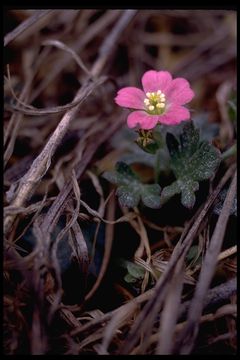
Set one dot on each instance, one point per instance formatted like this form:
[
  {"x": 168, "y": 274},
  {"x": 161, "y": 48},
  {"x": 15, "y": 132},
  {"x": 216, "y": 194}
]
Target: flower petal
[
  {"x": 179, "y": 92},
  {"x": 130, "y": 97},
  {"x": 142, "y": 119},
  {"x": 175, "y": 115},
  {"x": 156, "y": 80}
]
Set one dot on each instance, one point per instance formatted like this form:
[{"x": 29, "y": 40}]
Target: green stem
[{"x": 229, "y": 152}]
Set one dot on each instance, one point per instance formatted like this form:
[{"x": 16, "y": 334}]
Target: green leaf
[
  {"x": 150, "y": 196},
  {"x": 135, "y": 270},
  {"x": 185, "y": 186},
  {"x": 128, "y": 195},
  {"x": 126, "y": 171},
  {"x": 158, "y": 161},
  {"x": 172, "y": 144},
  {"x": 130, "y": 279},
  {"x": 130, "y": 189},
  {"x": 122, "y": 175},
  {"x": 189, "y": 139},
  {"x": 161, "y": 163},
  {"x": 112, "y": 177},
  {"x": 192, "y": 160},
  {"x": 188, "y": 187}
]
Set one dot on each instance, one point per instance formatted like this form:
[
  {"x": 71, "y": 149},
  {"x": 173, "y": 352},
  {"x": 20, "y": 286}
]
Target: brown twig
[
  {"x": 66, "y": 314},
  {"x": 205, "y": 318},
  {"x": 228, "y": 252},
  {"x": 80, "y": 167},
  {"x": 16, "y": 119},
  {"x": 110, "y": 42},
  {"x": 58, "y": 205},
  {"x": 222, "y": 95},
  {"x": 189, "y": 333},
  {"x": 133, "y": 304},
  {"x": 144, "y": 321},
  {"x": 87, "y": 90},
  {"x": 43, "y": 161},
  {"x": 170, "y": 312},
  {"x": 91, "y": 31},
  {"x": 214, "y": 296},
  {"x": 38, "y": 14},
  {"x": 80, "y": 251},
  {"x": 62, "y": 46},
  {"x": 220, "y": 35},
  {"x": 107, "y": 247}
]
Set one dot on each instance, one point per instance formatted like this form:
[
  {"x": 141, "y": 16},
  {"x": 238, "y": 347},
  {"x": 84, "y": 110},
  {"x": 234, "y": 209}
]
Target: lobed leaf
[
  {"x": 130, "y": 189},
  {"x": 191, "y": 161},
  {"x": 128, "y": 196},
  {"x": 150, "y": 196}
]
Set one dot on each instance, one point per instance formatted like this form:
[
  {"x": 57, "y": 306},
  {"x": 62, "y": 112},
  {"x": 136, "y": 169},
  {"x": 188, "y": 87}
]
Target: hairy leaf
[
  {"x": 192, "y": 160},
  {"x": 130, "y": 189}
]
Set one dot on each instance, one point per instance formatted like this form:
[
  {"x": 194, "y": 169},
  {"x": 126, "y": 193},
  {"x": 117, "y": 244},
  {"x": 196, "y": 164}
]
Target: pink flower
[{"x": 160, "y": 102}]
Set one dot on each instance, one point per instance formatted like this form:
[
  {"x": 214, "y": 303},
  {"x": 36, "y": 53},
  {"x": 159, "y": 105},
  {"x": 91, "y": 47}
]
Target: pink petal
[
  {"x": 175, "y": 115},
  {"x": 156, "y": 80},
  {"x": 130, "y": 97},
  {"x": 179, "y": 92},
  {"x": 142, "y": 119}
]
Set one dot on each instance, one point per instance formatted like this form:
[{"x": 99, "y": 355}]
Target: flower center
[{"x": 155, "y": 102}]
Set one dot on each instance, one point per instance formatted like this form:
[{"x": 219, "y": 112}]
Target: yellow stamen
[
  {"x": 160, "y": 105},
  {"x": 155, "y": 102},
  {"x": 146, "y": 102}
]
